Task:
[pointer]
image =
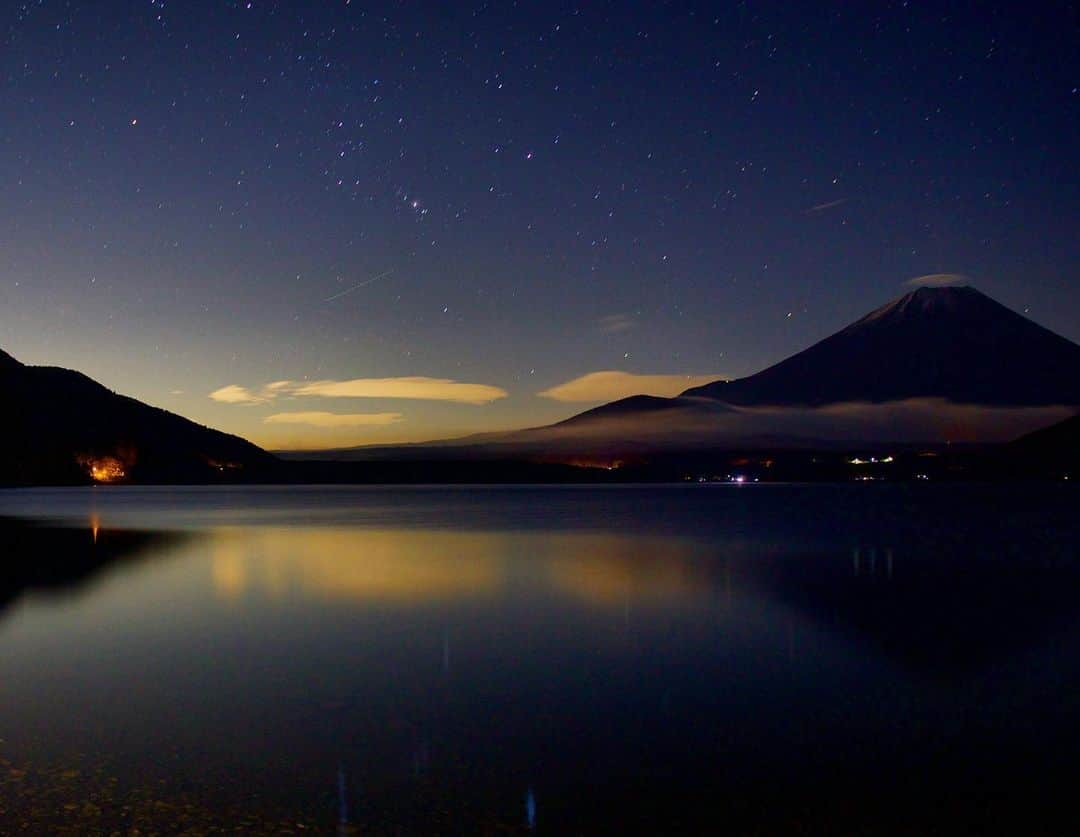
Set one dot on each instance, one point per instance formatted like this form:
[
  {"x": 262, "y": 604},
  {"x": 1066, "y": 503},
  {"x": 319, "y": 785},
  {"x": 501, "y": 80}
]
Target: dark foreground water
[{"x": 703, "y": 659}]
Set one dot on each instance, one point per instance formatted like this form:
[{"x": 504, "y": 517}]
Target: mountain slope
[
  {"x": 1051, "y": 450},
  {"x": 1063, "y": 437},
  {"x": 937, "y": 366},
  {"x": 953, "y": 343},
  {"x": 60, "y": 426}
]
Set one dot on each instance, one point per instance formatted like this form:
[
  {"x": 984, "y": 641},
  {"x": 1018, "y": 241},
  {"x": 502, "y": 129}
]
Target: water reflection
[
  {"x": 58, "y": 560},
  {"x": 606, "y": 569},
  {"x": 530, "y": 809},
  {"x": 354, "y": 564},
  {"x": 945, "y": 613},
  {"x": 952, "y": 610},
  {"x": 949, "y": 612},
  {"x": 402, "y": 565},
  {"x": 523, "y": 672}
]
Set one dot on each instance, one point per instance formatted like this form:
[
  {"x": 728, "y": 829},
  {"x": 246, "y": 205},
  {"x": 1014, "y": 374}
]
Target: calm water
[{"x": 756, "y": 659}]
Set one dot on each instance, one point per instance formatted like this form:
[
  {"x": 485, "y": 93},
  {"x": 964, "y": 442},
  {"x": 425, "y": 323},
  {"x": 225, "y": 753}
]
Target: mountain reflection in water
[{"x": 542, "y": 660}]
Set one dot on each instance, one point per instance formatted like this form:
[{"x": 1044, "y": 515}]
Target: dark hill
[
  {"x": 1052, "y": 451},
  {"x": 952, "y": 343},
  {"x": 1063, "y": 436},
  {"x": 61, "y": 427},
  {"x": 7, "y": 362}
]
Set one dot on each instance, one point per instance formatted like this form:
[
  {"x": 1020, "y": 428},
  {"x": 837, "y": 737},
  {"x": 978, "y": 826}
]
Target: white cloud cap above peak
[{"x": 937, "y": 280}]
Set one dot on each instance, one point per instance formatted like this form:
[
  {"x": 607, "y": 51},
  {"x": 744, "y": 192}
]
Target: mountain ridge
[
  {"x": 113, "y": 437},
  {"x": 954, "y": 343},
  {"x": 935, "y": 410},
  {"x": 836, "y": 400}
]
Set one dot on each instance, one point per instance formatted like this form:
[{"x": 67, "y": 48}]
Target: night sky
[{"x": 276, "y": 202}]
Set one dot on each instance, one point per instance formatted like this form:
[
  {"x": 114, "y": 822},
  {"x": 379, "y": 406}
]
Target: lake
[{"x": 558, "y": 660}]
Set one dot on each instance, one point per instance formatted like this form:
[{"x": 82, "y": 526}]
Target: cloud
[
  {"x": 937, "y": 280},
  {"x": 414, "y": 388},
  {"x": 616, "y": 323},
  {"x": 821, "y": 207},
  {"x": 689, "y": 424},
  {"x": 322, "y": 419},
  {"x": 611, "y": 385},
  {"x": 233, "y": 394}
]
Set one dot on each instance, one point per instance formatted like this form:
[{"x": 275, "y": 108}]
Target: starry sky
[{"x": 328, "y": 223}]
